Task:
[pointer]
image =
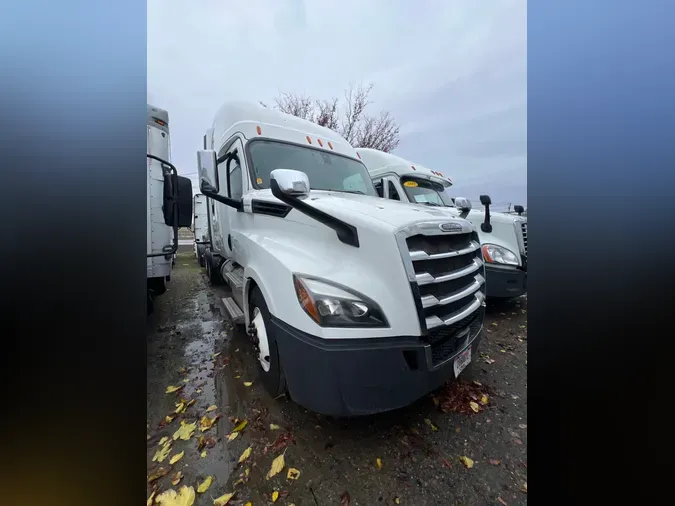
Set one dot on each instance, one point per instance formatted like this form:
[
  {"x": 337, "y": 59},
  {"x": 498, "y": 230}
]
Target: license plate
[{"x": 462, "y": 360}]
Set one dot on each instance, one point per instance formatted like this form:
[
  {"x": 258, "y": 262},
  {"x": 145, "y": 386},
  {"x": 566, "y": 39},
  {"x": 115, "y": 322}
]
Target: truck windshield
[
  {"x": 326, "y": 171},
  {"x": 421, "y": 191}
]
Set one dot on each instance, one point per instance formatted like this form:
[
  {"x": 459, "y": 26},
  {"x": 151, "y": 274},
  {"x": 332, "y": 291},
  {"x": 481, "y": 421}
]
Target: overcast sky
[{"x": 452, "y": 72}]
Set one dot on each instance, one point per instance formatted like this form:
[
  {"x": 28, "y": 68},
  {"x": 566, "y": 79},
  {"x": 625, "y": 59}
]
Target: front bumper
[
  {"x": 348, "y": 377},
  {"x": 504, "y": 282}
]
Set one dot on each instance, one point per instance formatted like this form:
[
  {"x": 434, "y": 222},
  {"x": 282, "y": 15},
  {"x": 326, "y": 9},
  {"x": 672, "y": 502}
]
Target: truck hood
[{"x": 354, "y": 208}]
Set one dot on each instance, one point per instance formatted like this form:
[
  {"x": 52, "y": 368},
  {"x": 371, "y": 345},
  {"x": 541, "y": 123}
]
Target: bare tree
[{"x": 349, "y": 119}]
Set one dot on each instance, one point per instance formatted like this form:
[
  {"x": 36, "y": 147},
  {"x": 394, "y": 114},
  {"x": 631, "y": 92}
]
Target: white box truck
[
  {"x": 503, "y": 236},
  {"x": 355, "y": 304},
  {"x": 169, "y": 203},
  {"x": 200, "y": 226}
]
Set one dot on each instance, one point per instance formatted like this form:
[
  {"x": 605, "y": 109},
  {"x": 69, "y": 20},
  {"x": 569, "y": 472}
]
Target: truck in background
[
  {"x": 200, "y": 226},
  {"x": 503, "y": 237},
  {"x": 169, "y": 203},
  {"x": 355, "y": 304}
]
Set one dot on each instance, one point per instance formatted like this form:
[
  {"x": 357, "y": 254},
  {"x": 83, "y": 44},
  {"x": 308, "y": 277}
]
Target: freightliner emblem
[{"x": 451, "y": 227}]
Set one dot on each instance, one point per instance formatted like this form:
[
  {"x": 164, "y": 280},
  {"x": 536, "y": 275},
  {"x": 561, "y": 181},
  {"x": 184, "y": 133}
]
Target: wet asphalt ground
[{"x": 421, "y": 448}]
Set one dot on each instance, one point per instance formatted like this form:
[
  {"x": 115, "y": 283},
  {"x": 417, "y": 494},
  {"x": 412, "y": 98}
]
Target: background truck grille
[
  {"x": 450, "y": 282},
  {"x": 523, "y": 228}
]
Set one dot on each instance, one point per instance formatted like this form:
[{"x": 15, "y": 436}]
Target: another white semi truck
[
  {"x": 169, "y": 202},
  {"x": 200, "y": 226},
  {"x": 355, "y": 304},
  {"x": 503, "y": 236}
]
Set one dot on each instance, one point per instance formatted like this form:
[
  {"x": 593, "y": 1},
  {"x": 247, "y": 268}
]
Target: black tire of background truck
[
  {"x": 274, "y": 379},
  {"x": 157, "y": 285},
  {"x": 212, "y": 270},
  {"x": 202, "y": 263},
  {"x": 200, "y": 254},
  {"x": 150, "y": 304}
]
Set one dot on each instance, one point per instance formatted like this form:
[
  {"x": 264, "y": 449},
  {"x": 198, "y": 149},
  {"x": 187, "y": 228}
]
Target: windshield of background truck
[
  {"x": 326, "y": 171},
  {"x": 421, "y": 191}
]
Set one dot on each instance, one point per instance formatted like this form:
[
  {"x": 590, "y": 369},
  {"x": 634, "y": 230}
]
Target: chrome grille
[
  {"x": 523, "y": 229},
  {"x": 448, "y": 275}
]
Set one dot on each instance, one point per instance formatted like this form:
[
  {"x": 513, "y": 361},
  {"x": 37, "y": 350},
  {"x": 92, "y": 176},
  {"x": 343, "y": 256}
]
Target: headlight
[
  {"x": 331, "y": 305},
  {"x": 497, "y": 255}
]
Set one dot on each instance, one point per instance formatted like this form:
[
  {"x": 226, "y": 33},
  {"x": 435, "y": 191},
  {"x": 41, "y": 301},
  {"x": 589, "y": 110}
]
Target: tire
[
  {"x": 157, "y": 285},
  {"x": 150, "y": 304},
  {"x": 202, "y": 263},
  {"x": 273, "y": 379},
  {"x": 212, "y": 269}
]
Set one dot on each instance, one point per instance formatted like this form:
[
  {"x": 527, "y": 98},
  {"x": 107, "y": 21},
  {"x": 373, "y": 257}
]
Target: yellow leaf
[
  {"x": 477, "y": 383},
  {"x": 246, "y": 471},
  {"x": 248, "y": 383},
  {"x": 232, "y": 436},
  {"x": 428, "y": 422},
  {"x": 523, "y": 488},
  {"x": 176, "y": 458},
  {"x": 474, "y": 406},
  {"x": 215, "y": 355},
  {"x": 494, "y": 324},
  {"x": 241, "y": 426},
  {"x": 275, "y": 496},
  {"x": 397, "y": 500},
  {"x": 151, "y": 499},
  {"x": 293, "y": 473},
  {"x": 211, "y": 408},
  {"x": 204, "y": 454},
  {"x": 222, "y": 500},
  {"x": 162, "y": 453},
  {"x": 171, "y": 389},
  {"x": 251, "y": 504},
  {"x": 204, "y": 486},
  {"x": 169, "y": 419},
  {"x": 237, "y": 377},
  {"x": 277, "y": 466},
  {"x": 245, "y": 455},
  {"x": 199, "y": 391},
  {"x": 164, "y": 440},
  {"x": 186, "y": 380},
  {"x": 484, "y": 399},
  {"x": 190, "y": 403},
  {"x": 378, "y": 461},
  {"x": 466, "y": 461},
  {"x": 274, "y": 426},
  {"x": 184, "y": 497},
  {"x": 181, "y": 407},
  {"x": 206, "y": 423},
  {"x": 176, "y": 478},
  {"x": 185, "y": 431}
]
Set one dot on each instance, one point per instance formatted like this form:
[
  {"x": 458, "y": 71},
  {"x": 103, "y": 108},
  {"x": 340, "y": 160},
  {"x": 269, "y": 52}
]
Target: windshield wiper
[
  {"x": 358, "y": 192},
  {"x": 432, "y": 204}
]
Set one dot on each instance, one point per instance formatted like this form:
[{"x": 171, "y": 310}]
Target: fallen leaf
[
  {"x": 151, "y": 499},
  {"x": 293, "y": 474},
  {"x": 203, "y": 454},
  {"x": 186, "y": 380},
  {"x": 502, "y": 501},
  {"x": 168, "y": 419},
  {"x": 397, "y": 500},
  {"x": 466, "y": 461},
  {"x": 275, "y": 496},
  {"x": 277, "y": 466},
  {"x": 523, "y": 488},
  {"x": 206, "y": 423},
  {"x": 489, "y": 360},
  {"x": 428, "y": 422},
  {"x": 185, "y": 431},
  {"x": 222, "y": 500},
  {"x": 184, "y": 497},
  {"x": 171, "y": 389},
  {"x": 204, "y": 486},
  {"x": 162, "y": 453},
  {"x": 522, "y": 426},
  {"x": 378, "y": 461},
  {"x": 176, "y": 458},
  {"x": 522, "y": 326},
  {"x": 484, "y": 400},
  {"x": 211, "y": 408},
  {"x": 158, "y": 474},
  {"x": 494, "y": 324},
  {"x": 474, "y": 406},
  {"x": 246, "y": 471},
  {"x": 274, "y": 426},
  {"x": 494, "y": 462},
  {"x": 246, "y": 454},
  {"x": 199, "y": 391},
  {"x": 181, "y": 407},
  {"x": 190, "y": 403},
  {"x": 215, "y": 354},
  {"x": 182, "y": 370},
  {"x": 477, "y": 383},
  {"x": 251, "y": 504},
  {"x": 237, "y": 377},
  {"x": 242, "y": 425},
  {"x": 232, "y": 436},
  {"x": 248, "y": 383},
  {"x": 176, "y": 478},
  {"x": 164, "y": 440},
  {"x": 344, "y": 499}
]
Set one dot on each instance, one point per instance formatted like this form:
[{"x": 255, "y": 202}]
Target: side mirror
[
  {"x": 290, "y": 182},
  {"x": 184, "y": 202},
  {"x": 485, "y": 200},
  {"x": 462, "y": 204},
  {"x": 519, "y": 209},
  {"x": 177, "y": 201},
  {"x": 206, "y": 165},
  {"x": 486, "y": 226}
]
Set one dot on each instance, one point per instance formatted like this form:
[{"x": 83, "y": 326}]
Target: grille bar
[
  {"x": 523, "y": 228},
  {"x": 425, "y": 278},
  {"x": 435, "y": 321},
  {"x": 423, "y": 255},
  {"x": 431, "y": 300}
]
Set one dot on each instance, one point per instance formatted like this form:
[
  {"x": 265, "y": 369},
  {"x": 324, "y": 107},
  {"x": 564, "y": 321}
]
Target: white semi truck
[
  {"x": 169, "y": 202},
  {"x": 200, "y": 226},
  {"x": 503, "y": 236},
  {"x": 355, "y": 304}
]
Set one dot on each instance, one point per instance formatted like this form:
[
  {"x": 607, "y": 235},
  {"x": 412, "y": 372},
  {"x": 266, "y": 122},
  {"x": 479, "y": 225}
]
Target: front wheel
[{"x": 269, "y": 362}]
